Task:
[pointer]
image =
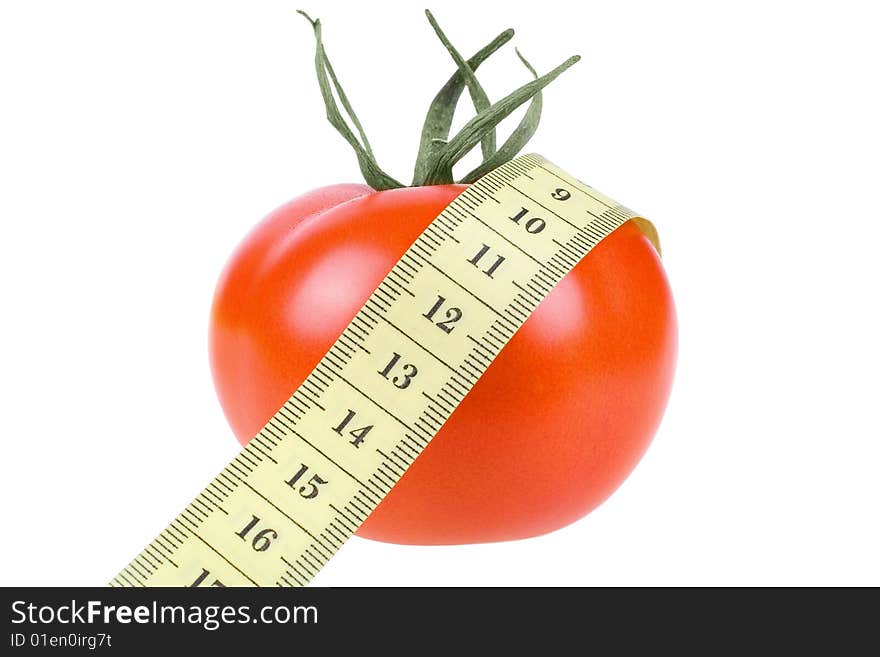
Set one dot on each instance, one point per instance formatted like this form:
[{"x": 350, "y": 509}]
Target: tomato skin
[{"x": 552, "y": 428}]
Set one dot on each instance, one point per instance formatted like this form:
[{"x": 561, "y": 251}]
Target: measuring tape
[{"x": 280, "y": 510}]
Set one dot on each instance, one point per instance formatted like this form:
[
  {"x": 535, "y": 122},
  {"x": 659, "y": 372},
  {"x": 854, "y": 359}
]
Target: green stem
[
  {"x": 438, "y": 121},
  {"x": 478, "y": 95},
  {"x": 437, "y": 153},
  {"x": 470, "y": 135},
  {"x": 518, "y": 138},
  {"x": 373, "y": 174}
]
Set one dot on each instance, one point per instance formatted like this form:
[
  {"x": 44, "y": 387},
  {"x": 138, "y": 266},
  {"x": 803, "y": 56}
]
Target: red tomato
[{"x": 551, "y": 429}]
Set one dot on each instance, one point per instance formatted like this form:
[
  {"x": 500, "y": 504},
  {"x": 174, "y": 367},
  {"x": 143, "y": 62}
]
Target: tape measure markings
[{"x": 287, "y": 502}]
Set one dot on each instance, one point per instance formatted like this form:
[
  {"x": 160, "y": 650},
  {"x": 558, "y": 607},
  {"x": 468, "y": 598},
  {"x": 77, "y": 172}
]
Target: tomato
[
  {"x": 555, "y": 424},
  {"x": 560, "y": 417}
]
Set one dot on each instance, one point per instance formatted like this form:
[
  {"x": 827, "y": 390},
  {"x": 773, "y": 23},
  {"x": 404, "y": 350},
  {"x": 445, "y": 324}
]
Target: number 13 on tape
[{"x": 277, "y": 513}]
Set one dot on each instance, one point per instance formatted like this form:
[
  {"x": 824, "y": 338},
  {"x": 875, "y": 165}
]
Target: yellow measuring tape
[{"x": 277, "y": 513}]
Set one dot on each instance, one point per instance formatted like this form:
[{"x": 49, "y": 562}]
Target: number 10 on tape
[{"x": 280, "y": 510}]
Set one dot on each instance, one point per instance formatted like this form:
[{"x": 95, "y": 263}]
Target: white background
[{"x": 140, "y": 141}]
